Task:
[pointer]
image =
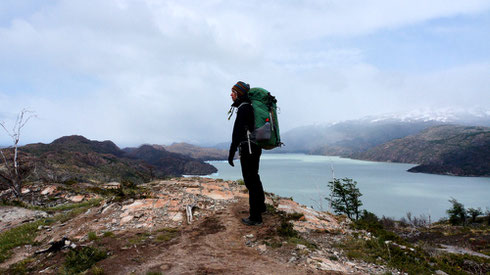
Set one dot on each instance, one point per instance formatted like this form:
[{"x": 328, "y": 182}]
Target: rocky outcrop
[{"x": 194, "y": 216}]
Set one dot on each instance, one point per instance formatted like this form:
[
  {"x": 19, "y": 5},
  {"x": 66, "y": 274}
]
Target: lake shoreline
[{"x": 388, "y": 188}]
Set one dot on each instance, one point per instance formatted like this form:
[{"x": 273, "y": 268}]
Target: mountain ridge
[
  {"x": 444, "y": 149},
  {"x": 78, "y": 158}
]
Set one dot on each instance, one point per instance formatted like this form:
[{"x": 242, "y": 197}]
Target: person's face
[{"x": 233, "y": 95}]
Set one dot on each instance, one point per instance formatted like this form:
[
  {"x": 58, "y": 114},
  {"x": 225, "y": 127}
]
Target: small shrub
[
  {"x": 240, "y": 182},
  {"x": 83, "y": 258},
  {"x": 370, "y": 222},
  {"x": 273, "y": 244},
  {"x": 457, "y": 213},
  {"x": 379, "y": 252},
  {"x": 92, "y": 236},
  {"x": 473, "y": 213},
  {"x": 300, "y": 240},
  {"x": 139, "y": 238},
  {"x": 108, "y": 234},
  {"x": 95, "y": 270},
  {"x": 166, "y": 234},
  {"x": 345, "y": 197},
  {"x": 20, "y": 267},
  {"x": 70, "y": 206},
  {"x": 70, "y": 182},
  {"x": 294, "y": 216},
  {"x": 286, "y": 229},
  {"x": 270, "y": 208},
  {"x": 387, "y": 222},
  {"x": 462, "y": 264}
]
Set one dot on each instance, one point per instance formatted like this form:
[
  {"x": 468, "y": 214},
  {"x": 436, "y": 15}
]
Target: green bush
[
  {"x": 166, "y": 234},
  {"x": 92, "y": 236},
  {"x": 83, "y": 258},
  {"x": 240, "y": 182},
  {"x": 345, "y": 197},
  {"x": 370, "y": 222},
  {"x": 108, "y": 234},
  {"x": 286, "y": 229},
  {"x": 457, "y": 213},
  {"x": 294, "y": 216},
  {"x": 377, "y": 251}
]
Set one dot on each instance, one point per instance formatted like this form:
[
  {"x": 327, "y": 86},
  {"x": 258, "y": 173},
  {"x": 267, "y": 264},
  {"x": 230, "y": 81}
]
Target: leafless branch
[
  {"x": 5, "y": 128},
  {"x": 15, "y": 173}
]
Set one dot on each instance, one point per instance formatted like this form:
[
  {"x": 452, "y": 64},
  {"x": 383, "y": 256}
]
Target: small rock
[
  {"x": 292, "y": 259},
  {"x": 139, "y": 215},
  {"x": 78, "y": 198},
  {"x": 262, "y": 248},
  {"x": 48, "y": 190},
  {"x": 126, "y": 219},
  {"x": 249, "y": 236},
  {"x": 440, "y": 272},
  {"x": 300, "y": 246},
  {"x": 177, "y": 217}
]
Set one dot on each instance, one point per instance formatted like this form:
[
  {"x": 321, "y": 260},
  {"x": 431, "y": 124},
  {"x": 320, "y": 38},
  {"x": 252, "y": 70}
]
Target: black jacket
[{"x": 245, "y": 120}]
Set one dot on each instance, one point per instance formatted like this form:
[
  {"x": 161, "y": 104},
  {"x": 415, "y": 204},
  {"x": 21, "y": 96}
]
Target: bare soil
[
  {"x": 214, "y": 245},
  {"x": 218, "y": 244}
]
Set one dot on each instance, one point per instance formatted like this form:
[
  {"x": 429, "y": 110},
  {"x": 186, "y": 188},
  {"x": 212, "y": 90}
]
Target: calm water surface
[{"x": 386, "y": 187}]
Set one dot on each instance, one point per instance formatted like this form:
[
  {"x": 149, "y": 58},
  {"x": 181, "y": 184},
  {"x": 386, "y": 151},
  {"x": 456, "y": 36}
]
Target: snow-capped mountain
[
  {"x": 354, "y": 136},
  {"x": 444, "y": 115}
]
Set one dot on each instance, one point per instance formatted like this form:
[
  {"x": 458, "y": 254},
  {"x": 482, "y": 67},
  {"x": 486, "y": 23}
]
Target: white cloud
[{"x": 161, "y": 71}]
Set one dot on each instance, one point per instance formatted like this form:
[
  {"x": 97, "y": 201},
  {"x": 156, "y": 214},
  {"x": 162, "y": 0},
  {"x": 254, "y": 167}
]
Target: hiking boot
[
  {"x": 248, "y": 221},
  {"x": 263, "y": 209}
]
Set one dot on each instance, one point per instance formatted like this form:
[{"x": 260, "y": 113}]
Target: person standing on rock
[{"x": 249, "y": 151}]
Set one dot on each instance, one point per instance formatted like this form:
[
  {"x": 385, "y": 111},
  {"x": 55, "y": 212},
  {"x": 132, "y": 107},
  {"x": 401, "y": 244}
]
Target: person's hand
[{"x": 230, "y": 161}]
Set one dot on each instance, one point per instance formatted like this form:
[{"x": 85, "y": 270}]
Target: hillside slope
[
  {"x": 169, "y": 163},
  {"x": 80, "y": 159},
  {"x": 445, "y": 149},
  {"x": 197, "y": 152},
  {"x": 349, "y": 137}
]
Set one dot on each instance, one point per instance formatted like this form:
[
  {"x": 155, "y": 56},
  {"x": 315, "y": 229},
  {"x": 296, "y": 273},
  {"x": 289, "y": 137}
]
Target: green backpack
[{"x": 266, "y": 124}]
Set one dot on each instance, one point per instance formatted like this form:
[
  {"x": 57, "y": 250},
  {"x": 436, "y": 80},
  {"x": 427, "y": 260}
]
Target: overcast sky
[{"x": 161, "y": 71}]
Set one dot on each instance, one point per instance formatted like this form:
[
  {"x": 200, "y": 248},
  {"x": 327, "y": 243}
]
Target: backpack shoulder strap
[{"x": 243, "y": 103}]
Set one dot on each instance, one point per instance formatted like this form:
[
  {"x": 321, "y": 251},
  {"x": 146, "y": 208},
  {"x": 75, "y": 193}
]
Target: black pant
[{"x": 250, "y": 172}]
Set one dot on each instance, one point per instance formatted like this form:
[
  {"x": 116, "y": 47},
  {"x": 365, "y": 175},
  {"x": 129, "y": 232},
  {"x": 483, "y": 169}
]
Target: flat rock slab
[
  {"x": 11, "y": 216},
  {"x": 461, "y": 250}
]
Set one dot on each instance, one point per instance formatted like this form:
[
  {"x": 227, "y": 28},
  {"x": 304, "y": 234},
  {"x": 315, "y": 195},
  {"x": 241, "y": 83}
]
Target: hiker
[{"x": 249, "y": 151}]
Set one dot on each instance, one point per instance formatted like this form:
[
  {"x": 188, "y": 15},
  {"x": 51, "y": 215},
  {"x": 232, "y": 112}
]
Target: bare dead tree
[{"x": 13, "y": 174}]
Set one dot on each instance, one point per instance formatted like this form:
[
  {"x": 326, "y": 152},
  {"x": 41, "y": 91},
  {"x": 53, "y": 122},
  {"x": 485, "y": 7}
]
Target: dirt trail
[
  {"x": 151, "y": 234},
  {"x": 213, "y": 245}
]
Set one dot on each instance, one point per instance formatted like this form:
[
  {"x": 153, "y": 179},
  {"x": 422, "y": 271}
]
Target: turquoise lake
[{"x": 386, "y": 187}]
